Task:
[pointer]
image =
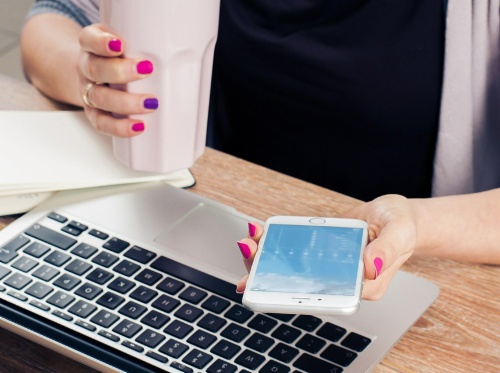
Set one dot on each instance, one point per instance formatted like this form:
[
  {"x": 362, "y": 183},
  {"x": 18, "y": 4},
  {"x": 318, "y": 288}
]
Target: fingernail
[
  {"x": 245, "y": 250},
  {"x": 115, "y": 45},
  {"x": 138, "y": 127},
  {"x": 252, "y": 229},
  {"x": 145, "y": 67},
  {"x": 378, "y": 263},
  {"x": 239, "y": 292},
  {"x": 151, "y": 103}
]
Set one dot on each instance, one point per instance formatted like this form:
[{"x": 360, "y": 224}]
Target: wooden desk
[{"x": 459, "y": 333}]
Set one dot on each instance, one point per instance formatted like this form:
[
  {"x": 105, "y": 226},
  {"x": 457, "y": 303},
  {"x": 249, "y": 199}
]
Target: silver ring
[{"x": 85, "y": 94}]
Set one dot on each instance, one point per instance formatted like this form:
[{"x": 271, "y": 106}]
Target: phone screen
[{"x": 309, "y": 260}]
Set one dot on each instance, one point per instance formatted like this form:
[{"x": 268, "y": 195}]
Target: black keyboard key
[
  {"x": 39, "y": 290},
  {"x": 16, "y": 243},
  {"x": 98, "y": 234},
  {"x": 235, "y": 333},
  {"x": 170, "y": 285},
  {"x": 310, "y": 343},
  {"x": 40, "y": 305},
  {"x": 78, "y": 267},
  {"x": 356, "y": 342},
  {"x": 259, "y": 342},
  {"x": 178, "y": 329},
  {"x": 127, "y": 328},
  {"x": 133, "y": 346},
  {"x": 105, "y": 259},
  {"x": 85, "y": 325},
  {"x": 7, "y": 255},
  {"x": 104, "y": 318},
  {"x": 17, "y": 295},
  {"x": 4, "y": 271},
  {"x": 150, "y": 338},
  {"x": 148, "y": 277},
  {"x": 311, "y": 364},
  {"x": 156, "y": 356},
  {"x": 17, "y": 281},
  {"x": 88, "y": 291},
  {"x": 61, "y": 299},
  {"x": 251, "y": 360},
  {"x": 193, "y": 295},
  {"x": 211, "y": 322},
  {"x": 155, "y": 319},
  {"x": 173, "y": 348},
  {"x": 188, "y": 313},
  {"x": 51, "y": 237},
  {"x": 238, "y": 313},
  {"x": 126, "y": 268},
  {"x": 115, "y": 245},
  {"x": 82, "y": 309},
  {"x": 215, "y": 304},
  {"x": 262, "y": 323},
  {"x": 202, "y": 339},
  {"x": 109, "y": 336},
  {"x": 46, "y": 273},
  {"x": 283, "y": 353},
  {"x": 62, "y": 315},
  {"x": 225, "y": 349},
  {"x": 132, "y": 310},
  {"x": 110, "y": 300},
  {"x": 84, "y": 251},
  {"x": 25, "y": 264},
  {"x": 331, "y": 332},
  {"x": 67, "y": 282},
  {"x": 221, "y": 366},
  {"x": 197, "y": 358},
  {"x": 143, "y": 294},
  {"x": 57, "y": 258},
  {"x": 140, "y": 255},
  {"x": 338, "y": 355},
  {"x": 57, "y": 217},
  {"x": 99, "y": 276},
  {"x": 307, "y": 323},
  {"x": 286, "y": 333},
  {"x": 71, "y": 230},
  {"x": 181, "y": 367},
  {"x": 285, "y": 317},
  {"x": 166, "y": 303},
  {"x": 36, "y": 249},
  {"x": 121, "y": 285},
  {"x": 274, "y": 367},
  {"x": 77, "y": 225}
]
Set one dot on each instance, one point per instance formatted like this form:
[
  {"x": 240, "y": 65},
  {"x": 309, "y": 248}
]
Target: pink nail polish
[
  {"x": 378, "y": 263},
  {"x": 245, "y": 250},
  {"x": 115, "y": 45},
  {"x": 252, "y": 229},
  {"x": 145, "y": 67},
  {"x": 138, "y": 127},
  {"x": 239, "y": 292}
]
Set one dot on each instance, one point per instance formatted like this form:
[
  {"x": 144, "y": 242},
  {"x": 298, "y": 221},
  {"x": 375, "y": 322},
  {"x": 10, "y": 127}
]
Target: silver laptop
[{"x": 142, "y": 279}]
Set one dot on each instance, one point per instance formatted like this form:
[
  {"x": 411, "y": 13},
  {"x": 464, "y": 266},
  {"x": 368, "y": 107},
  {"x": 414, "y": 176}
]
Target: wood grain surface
[{"x": 459, "y": 333}]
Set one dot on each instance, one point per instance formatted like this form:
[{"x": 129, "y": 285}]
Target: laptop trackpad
[{"x": 209, "y": 234}]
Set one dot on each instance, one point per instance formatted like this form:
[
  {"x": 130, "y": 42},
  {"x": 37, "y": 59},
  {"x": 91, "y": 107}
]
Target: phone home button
[{"x": 317, "y": 221}]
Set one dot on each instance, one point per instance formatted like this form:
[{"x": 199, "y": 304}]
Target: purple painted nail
[
  {"x": 145, "y": 67},
  {"x": 151, "y": 103},
  {"x": 138, "y": 127},
  {"x": 252, "y": 229},
  {"x": 378, "y": 263},
  {"x": 245, "y": 250},
  {"x": 115, "y": 45}
]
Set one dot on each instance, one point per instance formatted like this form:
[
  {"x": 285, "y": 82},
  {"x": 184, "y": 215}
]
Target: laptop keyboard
[{"x": 159, "y": 310}]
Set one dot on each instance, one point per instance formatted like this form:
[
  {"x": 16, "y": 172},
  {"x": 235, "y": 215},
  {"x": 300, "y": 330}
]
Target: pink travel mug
[{"x": 179, "y": 37}]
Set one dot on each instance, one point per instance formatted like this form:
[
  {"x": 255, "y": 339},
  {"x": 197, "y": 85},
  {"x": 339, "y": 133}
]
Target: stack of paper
[{"x": 44, "y": 152}]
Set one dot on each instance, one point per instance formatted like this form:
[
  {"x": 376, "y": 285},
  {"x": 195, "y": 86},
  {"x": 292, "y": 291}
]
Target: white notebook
[{"x": 46, "y": 151}]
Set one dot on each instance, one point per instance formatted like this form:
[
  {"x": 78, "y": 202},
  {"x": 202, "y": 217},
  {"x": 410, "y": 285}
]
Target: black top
[{"x": 344, "y": 93}]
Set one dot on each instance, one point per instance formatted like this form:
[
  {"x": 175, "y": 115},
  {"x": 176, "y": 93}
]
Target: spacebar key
[{"x": 51, "y": 237}]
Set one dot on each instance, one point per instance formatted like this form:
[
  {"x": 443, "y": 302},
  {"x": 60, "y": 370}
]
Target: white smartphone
[{"x": 308, "y": 265}]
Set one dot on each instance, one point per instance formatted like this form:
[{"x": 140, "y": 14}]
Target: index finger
[{"x": 98, "y": 40}]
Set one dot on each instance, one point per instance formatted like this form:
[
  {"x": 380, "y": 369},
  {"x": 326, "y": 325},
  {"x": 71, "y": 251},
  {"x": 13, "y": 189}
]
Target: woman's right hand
[{"x": 101, "y": 60}]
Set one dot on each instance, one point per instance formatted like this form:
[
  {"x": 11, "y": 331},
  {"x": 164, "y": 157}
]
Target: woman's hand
[
  {"x": 392, "y": 237},
  {"x": 101, "y": 63}
]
